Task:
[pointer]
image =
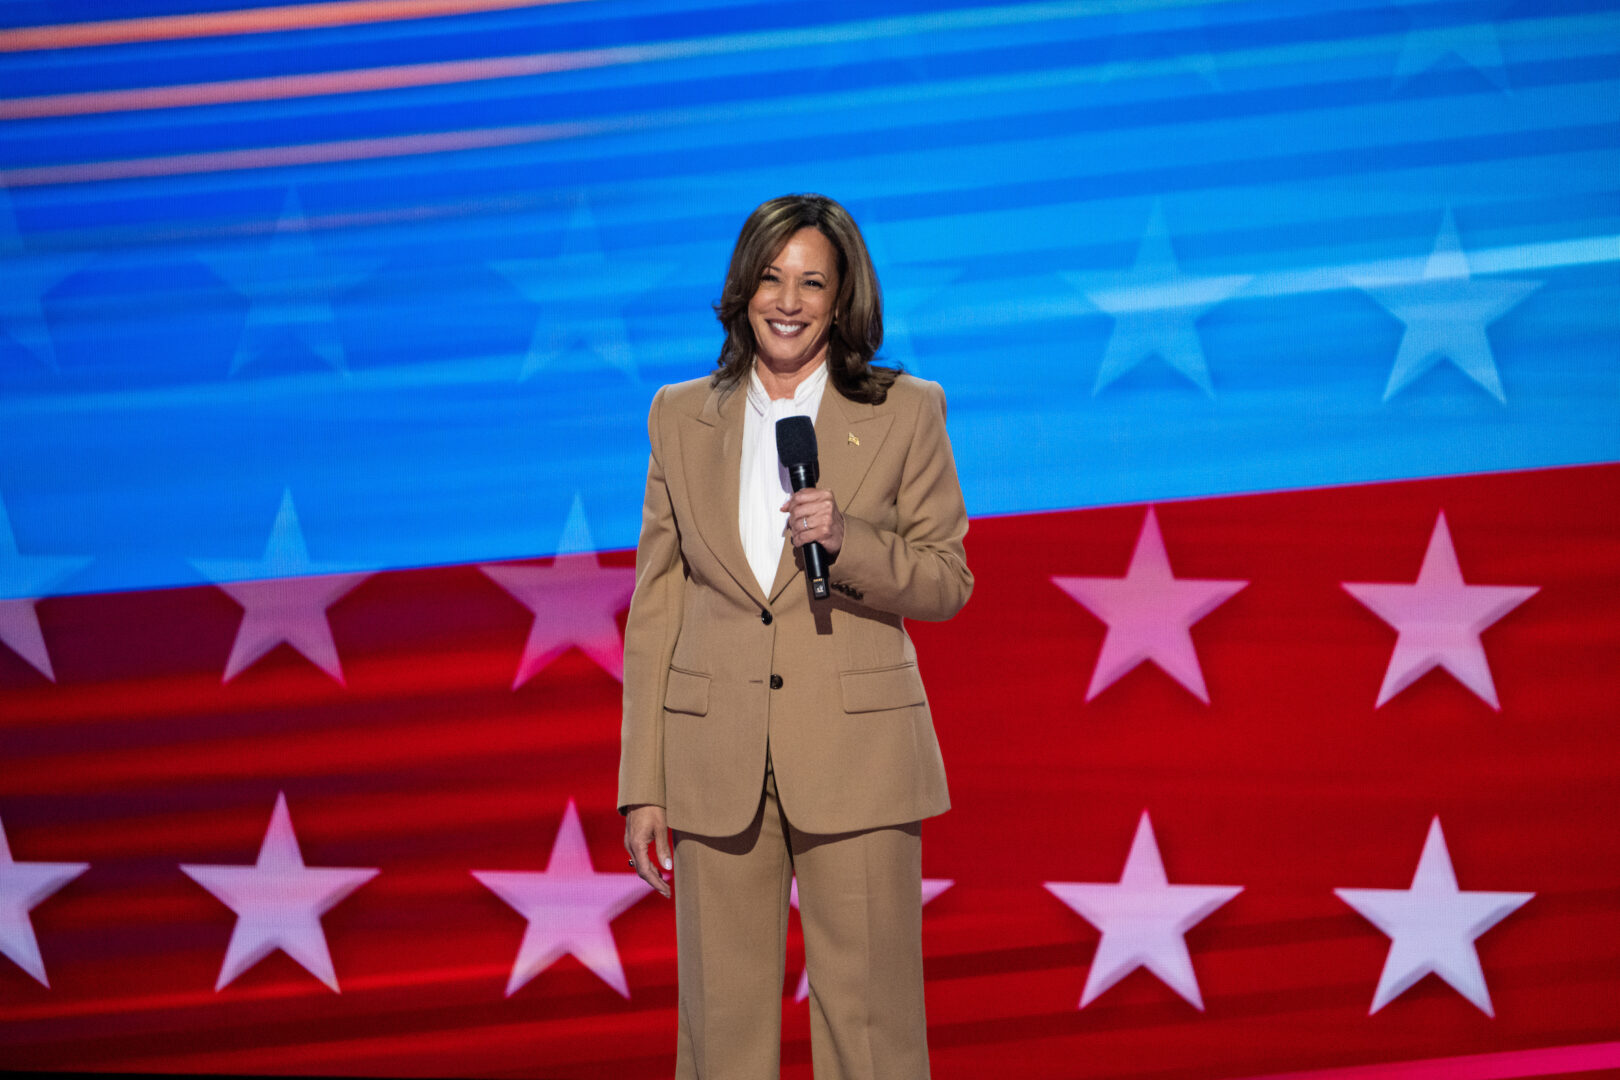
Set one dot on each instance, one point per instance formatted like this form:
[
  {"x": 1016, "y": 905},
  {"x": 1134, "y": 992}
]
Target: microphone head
[{"x": 796, "y": 440}]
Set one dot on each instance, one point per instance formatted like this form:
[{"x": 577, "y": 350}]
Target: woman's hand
[
  {"x": 644, "y": 825},
  {"x": 814, "y": 518}
]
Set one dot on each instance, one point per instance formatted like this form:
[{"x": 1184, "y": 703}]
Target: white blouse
[{"x": 764, "y": 482}]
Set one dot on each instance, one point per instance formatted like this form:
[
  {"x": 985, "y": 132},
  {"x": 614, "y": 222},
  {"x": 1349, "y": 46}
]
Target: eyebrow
[{"x": 778, "y": 269}]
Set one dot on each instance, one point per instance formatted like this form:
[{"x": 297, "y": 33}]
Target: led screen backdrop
[{"x": 1282, "y": 347}]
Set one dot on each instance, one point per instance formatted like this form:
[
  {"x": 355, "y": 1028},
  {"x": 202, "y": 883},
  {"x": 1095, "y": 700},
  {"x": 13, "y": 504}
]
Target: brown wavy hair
[{"x": 857, "y": 328}]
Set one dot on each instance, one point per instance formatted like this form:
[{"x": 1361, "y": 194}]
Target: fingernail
[{"x": 668, "y": 865}]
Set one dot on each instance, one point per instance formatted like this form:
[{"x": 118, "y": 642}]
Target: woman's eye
[
  {"x": 768, "y": 277},
  {"x": 813, "y": 283}
]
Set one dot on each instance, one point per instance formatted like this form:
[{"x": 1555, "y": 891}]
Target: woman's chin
[{"x": 783, "y": 360}]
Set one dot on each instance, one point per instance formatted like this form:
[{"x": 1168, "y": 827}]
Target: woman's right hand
[{"x": 644, "y": 825}]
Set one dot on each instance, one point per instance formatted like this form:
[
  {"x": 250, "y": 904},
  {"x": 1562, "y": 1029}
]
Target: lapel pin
[{"x": 853, "y": 441}]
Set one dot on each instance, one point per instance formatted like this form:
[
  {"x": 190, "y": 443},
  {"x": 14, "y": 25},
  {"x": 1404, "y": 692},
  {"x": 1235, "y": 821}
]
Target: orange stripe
[
  {"x": 273, "y": 157},
  {"x": 315, "y": 84},
  {"x": 262, "y": 20}
]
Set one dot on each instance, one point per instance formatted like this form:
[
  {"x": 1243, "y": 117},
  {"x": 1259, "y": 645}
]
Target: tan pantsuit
[
  {"x": 859, "y": 898},
  {"x": 721, "y": 677}
]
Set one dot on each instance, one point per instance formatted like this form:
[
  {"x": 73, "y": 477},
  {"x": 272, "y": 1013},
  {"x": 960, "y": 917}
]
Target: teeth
[{"x": 787, "y": 328}]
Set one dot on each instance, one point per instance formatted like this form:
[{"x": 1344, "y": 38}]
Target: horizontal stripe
[
  {"x": 259, "y": 20},
  {"x": 385, "y": 146},
  {"x": 1585, "y": 33},
  {"x": 1507, "y": 1065},
  {"x": 276, "y": 157},
  {"x": 317, "y": 84}
]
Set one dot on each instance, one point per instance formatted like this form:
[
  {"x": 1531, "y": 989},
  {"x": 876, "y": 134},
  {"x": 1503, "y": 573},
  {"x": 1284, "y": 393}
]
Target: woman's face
[{"x": 792, "y": 309}]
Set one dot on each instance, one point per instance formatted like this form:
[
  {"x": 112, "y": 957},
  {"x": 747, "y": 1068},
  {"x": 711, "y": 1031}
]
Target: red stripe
[{"x": 259, "y": 20}]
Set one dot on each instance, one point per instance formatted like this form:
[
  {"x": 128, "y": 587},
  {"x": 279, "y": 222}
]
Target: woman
[{"x": 780, "y": 736}]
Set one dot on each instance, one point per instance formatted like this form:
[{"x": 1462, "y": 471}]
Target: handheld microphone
[{"x": 796, "y": 447}]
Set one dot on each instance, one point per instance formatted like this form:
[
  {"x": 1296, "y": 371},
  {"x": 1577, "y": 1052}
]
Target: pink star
[
  {"x": 284, "y": 598},
  {"x": 931, "y": 887},
  {"x": 1143, "y": 920},
  {"x": 1438, "y": 620},
  {"x": 279, "y": 902},
  {"x": 1149, "y": 613},
  {"x": 569, "y": 907},
  {"x": 23, "y": 885},
  {"x": 1432, "y": 926},
  {"x": 574, "y": 601}
]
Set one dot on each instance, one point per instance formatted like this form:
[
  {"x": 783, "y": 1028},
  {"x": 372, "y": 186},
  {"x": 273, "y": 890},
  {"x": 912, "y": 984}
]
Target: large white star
[
  {"x": 1438, "y": 620},
  {"x": 23, "y": 580},
  {"x": 1446, "y": 312},
  {"x": 284, "y": 599},
  {"x": 569, "y": 907},
  {"x": 931, "y": 887},
  {"x": 1156, "y": 309},
  {"x": 1149, "y": 613},
  {"x": 279, "y": 902},
  {"x": 1142, "y": 920},
  {"x": 581, "y": 295},
  {"x": 290, "y": 288},
  {"x": 1432, "y": 926},
  {"x": 574, "y": 601},
  {"x": 25, "y": 278},
  {"x": 23, "y": 885}
]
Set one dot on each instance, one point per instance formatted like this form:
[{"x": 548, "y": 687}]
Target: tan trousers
[{"x": 860, "y": 902}]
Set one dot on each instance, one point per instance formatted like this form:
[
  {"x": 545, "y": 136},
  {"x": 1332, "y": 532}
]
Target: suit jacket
[{"x": 716, "y": 670}]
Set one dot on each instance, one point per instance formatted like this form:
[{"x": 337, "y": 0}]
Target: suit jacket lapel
[
  {"x": 848, "y": 437},
  {"x": 711, "y": 453}
]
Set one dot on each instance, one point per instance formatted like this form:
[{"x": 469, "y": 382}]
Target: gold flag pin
[{"x": 853, "y": 441}]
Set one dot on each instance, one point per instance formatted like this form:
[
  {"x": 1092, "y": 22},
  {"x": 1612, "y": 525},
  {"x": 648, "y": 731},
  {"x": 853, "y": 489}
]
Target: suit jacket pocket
[
  {"x": 687, "y": 692},
  {"x": 882, "y": 688}
]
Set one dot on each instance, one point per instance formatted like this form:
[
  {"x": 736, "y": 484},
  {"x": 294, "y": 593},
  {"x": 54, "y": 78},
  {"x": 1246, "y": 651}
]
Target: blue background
[{"x": 1153, "y": 250}]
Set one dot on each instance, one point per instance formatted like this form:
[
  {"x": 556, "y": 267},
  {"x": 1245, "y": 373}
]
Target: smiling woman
[
  {"x": 787, "y": 739},
  {"x": 791, "y": 313},
  {"x": 830, "y": 271}
]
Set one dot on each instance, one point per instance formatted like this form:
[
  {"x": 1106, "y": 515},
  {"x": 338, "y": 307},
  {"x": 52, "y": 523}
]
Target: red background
[{"x": 427, "y": 765}]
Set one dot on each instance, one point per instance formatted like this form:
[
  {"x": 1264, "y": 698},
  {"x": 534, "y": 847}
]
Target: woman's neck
[{"x": 780, "y": 384}]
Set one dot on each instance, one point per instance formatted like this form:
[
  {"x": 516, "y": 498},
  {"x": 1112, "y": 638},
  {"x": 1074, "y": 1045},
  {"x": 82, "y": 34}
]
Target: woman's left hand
[{"x": 813, "y": 517}]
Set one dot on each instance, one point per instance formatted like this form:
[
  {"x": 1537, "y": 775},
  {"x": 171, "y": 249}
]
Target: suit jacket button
[
  {"x": 765, "y": 617},
  {"x": 776, "y": 682}
]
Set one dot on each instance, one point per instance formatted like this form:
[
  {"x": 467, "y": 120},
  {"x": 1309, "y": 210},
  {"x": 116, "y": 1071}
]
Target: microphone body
[{"x": 796, "y": 448}]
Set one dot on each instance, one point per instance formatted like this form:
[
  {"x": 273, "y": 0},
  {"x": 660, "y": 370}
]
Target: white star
[
  {"x": 285, "y": 599},
  {"x": 25, "y": 278},
  {"x": 1149, "y": 613},
  {"x": 23, "y": 580},
  {"x": 931, "y": 887},
  {"x": 574, "y": 601},
  {"x": 568, "y": 907},
  {"x": 1432, "y": 926},
  {"x": 582, "y": 296},
  {"x": 23, "y": 885},
  {"x": 279, "y": 902},
  {"x": 290, "y": 287},
  {"x": 1475, "y": 43},
  {"x": 1156, "y": 309},
  {"x": 1446, "y": 312},
  {"x": 1438, "y": 620},
  {"x": 1142, "y": 920}
]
